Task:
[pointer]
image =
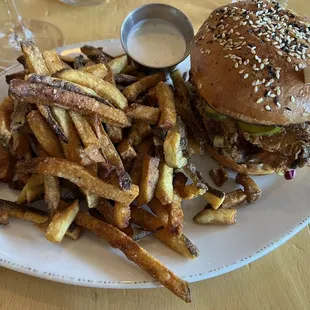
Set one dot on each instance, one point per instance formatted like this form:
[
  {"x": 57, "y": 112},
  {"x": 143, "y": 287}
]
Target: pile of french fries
[{"x": 100, "y": 129}]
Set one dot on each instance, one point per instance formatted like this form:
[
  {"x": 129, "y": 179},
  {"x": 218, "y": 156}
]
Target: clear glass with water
[{"x": 83, "y": 2}]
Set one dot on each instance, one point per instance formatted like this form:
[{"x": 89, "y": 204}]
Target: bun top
[{"x": 248, "y": 61}]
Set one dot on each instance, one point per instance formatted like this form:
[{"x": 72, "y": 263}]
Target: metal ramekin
[{"x": 160, "y": 11}]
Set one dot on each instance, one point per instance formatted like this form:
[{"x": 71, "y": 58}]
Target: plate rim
[{"x": 147, "y": 283}]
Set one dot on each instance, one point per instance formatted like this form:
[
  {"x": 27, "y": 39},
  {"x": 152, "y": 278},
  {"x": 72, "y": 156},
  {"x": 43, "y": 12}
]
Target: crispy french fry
[
  {"x": 149, "y": 178},
  {"x": 173, "y": 150},
  {"x": 168, "y": 115},
  {"x": 180, "y": 244},
  {"x": 234, "y": 199},
  {"x": 98, "y": 70},
  {"x": 4, "y": 217},
  {"x": 118, "y": 64},
  {"x": 92, "y": 199},
  {"x": 6, "y": 167},
  {"x": 143, "y": 112},
  {"x": 74, "y": 232},
  {"x": 218, "y": 217},
  {"x": 61, "y": 222},
  {"x": 126, "y": 151},
  {"x": 107, "y": 210},
  {"x": 115, "y": 134},
  {"x": 196, "y": 176},
  {"x": 179, "y": 182},
  {"x": 51, "y": 194},
  {"x": 131, "y": 92},
  {"x": 20, "y": 145},
  {"x": 78, "y": 175},
  {"x": 134, "y": 137},
  {"x": 219, "y": 176},
  {"x": 34, "y": 59},
  {"x": 53, "y": 62},
  {"x": 144, "y": 129},
  {"x": 28, "y": 214},
  {"x": 46, "y": 95},
  {"x": 159, "y": 210},
  {"x": 139, "y": 234},
  {"x": 135, "y": 253},
  {"x": 214, "y": 197},
  {"x": 175, "y": 216},
  {"x": 44, "y": 134},
  {"x": 164, "y": 187},
  {"x": 67, "y": 59},
  {"x": 88, "y": 137},
  {"x": 122, "y": 215},
  {"x": 72, "y": 149},
  {"x": 125, "y": 79},
  {"x": 251, "y": 189},
  {"x": 191, "y": 191},
  {"x": 101, "y": 87},
  {"x": 184, "y": 109},
  {"x": 96, "y": 54},
  {"x": 6, "y": 110},
  {"x": 32, "y": 190},
  {"x": 18, "y": 118},
  {"x": 111, "y": 154}
]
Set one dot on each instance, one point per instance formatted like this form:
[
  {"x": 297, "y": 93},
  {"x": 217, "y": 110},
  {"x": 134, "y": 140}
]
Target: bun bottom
[{"x": 227, "y": 162}]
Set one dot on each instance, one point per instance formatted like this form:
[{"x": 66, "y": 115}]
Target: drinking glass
[
  {"x": 44, "y": 34},
  {"x": 83, "y": 2}
]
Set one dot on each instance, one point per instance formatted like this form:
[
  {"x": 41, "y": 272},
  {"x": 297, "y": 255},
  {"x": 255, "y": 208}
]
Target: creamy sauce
[{"x": 156, "y": 43}]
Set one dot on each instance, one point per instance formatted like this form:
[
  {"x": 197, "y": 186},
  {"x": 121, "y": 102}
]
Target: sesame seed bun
[
  {"x": 233, "y": 54},
  {"x": 241, "y": 168}
]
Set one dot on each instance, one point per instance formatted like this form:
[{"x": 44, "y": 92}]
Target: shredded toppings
[{"x": 268, "y": 22}]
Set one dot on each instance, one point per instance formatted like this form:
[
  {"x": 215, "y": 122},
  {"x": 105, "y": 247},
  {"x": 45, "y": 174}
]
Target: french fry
[
  {"x": 96, "y": 54},
  {"x": 88, "y": 137},
  {"x": 149, "y": 178},
  {"x": 32, "y": 190},
  {"x": 175, "y": 216},
  {"x": 4, "y": 217},
  {"x": 217, "y": 217},
  {"x": 17, "y": 75},
  {"x": 20, "y": 145},
  {"x": 6, "y": 167},
  {"x": 122, "y": 215},
  {"x": 51, "y": 194},
  {"x": 33, "y": 58},
  {"x": 219, "y": 176},
  {"x": 126, "y": 151},
  {"x": 6, "y": 110},
  {"x": 98, "y": 70},
  {"x": 27, "y": 214},
  {"x": 135, "y": 253},
  {"x": 131, "y": 92},
  {"x": 46, "y": 95},
  {"x": 173, "y": 150},
  {"x": 184, "y": 109},
  {"x": 115, "y": 134},
  {"x": 46, "y": 137},
  {"x": 53, "y": 62},
  {"x": 164, "y": 187},
  {"x": 144, "y": 113},
  {"x": 61, "y": 222},
  {"x": 72, "y": 149},
  {"x": 18, "y": 118},
  {"x": 180, "y": 244},
  {"x": 214, "y": 197},
  {"x": 74, "y": 232},
  {"x": 105, "y": 208},
  {"x": 92, "y": 199},
  {"x": 168, "y": 115},
  {"x": 125, "y": 79},
  {"x": 78, "y": 175},
  {"x": 134, "y": 137},
  {"x": 118, "y": 64},
  {"x": 234, "y": 199},
  {"x": 139, "y": 234},
  {"x": 67, "y": 59},
  {"x": 179, "y": 182},
  {"x": 251, "y": 189},
  {"x": 191, "y": 191},
  {"x": 159, "y": 210},
  {"x": 101, "y": 87},
  {"x": 144, "y": 129}
]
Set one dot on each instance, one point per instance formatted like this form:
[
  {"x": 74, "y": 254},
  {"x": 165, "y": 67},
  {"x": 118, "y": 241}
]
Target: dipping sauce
[{"x": 156, "y": 43}]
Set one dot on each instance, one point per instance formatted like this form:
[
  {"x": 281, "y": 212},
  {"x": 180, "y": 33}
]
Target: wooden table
[{"x": 281, "y": 280}]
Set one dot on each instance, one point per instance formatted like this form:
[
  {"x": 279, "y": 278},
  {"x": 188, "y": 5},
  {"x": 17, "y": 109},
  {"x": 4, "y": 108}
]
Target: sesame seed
[
  {"x": 278, "y": 104},
  {"x": 241, "y": 71},
  {"x": 289, "y": 59},
  {"x": 279, "y": 92},
  {"x": 256, "y": 89},
  {"x": 279, "y": 53},
  {"x": 260, "y": 100},
  {"x": 200, "y": 86},
  {"x": 262, "y": 66},
  {"x": 236, "y": 65},
  {"x": 267, "y": 107},
  {"x": 292, "y": 99},
  {"x": 296, "y": 68},
  {"x": 246, "y": 76}
]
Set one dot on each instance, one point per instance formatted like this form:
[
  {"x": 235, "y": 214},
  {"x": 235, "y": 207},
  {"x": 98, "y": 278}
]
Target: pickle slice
[
  {"x": 213, "y": 114},
  {"x": 257, "y": 130}
]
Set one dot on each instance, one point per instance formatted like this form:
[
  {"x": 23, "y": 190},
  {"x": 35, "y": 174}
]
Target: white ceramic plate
[{"x": 282, "y": 211}]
